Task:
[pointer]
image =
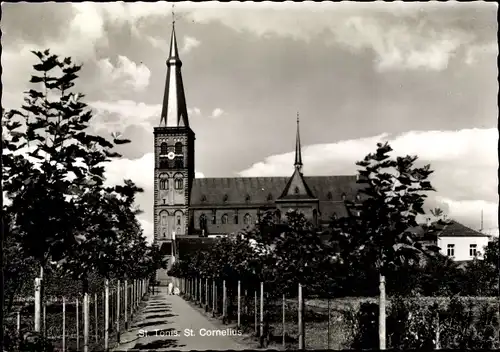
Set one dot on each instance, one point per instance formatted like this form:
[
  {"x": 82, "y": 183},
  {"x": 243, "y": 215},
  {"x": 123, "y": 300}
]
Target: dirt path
[{"x": 170, "y": 323}]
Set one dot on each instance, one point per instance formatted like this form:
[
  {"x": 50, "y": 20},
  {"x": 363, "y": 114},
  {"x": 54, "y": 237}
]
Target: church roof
[
  {"x": 263, "y": 191},
  {"x": 297, "y": 188}
]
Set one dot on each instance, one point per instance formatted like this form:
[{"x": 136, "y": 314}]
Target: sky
[{"x": 422, "y": 76}]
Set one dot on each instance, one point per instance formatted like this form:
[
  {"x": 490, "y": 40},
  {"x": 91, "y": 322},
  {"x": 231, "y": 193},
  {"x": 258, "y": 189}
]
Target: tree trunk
[
  {"x": 106, "y": 315},
  {"x": 301, "y": 319},
  {"x": 381, "y": 317}
]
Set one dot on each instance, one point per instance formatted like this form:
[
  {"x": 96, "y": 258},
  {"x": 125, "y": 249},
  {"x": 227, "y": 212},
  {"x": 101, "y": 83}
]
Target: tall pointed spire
[
  {"x": 298, "y": 152},
  {"x": 174, "y": 110}
]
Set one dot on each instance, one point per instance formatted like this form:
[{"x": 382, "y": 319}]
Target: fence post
[
  {"x": 239, "y": 305},
  {"x": 437, "y": 344},
  {"x": 95, "y": 315},
  {"x": 224, "y": 301},
  {"x": 44, "y": 305},
  {"x": 381, "y": 316},
  {"x": 64, "y": 324},
  {"x": 284, "y": 320},
  {"x": 199, "y": 292},
  {"x": 328, "y": 326},
  {"x": 77, "y": 327},
  {"x": 38, "y": 304},
  {"x": 255, "y": 312},
  {"x": 206, "y": 292},
  {"x": 118, "y": 312},
  {"x": 261, "y": 308},
  {"x": 214, "y": 297},
  {"x": 300, "y": 316},
  {"x": 125, "y": 294},
  {"x": 106, "y": 314},
  {"x": 85, "y": 322}
]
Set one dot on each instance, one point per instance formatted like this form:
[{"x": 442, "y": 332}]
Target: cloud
[
  {"x": 400, "y": 37},
  {"x": 158, "y": 43},
  {"x": 216, "y": 113},
  {"x": 194, "y": 111},
  {"x": 198, "y": 174},
  {"x": 126, "y": 73},
  {"x": 465, "y": 165},
  {"x": 189, "y": 44},
  {"x": 116, "y": 115}
]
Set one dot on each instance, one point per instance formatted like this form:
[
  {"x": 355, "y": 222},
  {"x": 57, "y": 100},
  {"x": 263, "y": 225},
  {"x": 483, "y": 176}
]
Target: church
[{"x": 186, "y": 207}]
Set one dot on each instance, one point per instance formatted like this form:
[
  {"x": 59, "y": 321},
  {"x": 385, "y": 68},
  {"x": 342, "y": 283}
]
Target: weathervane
[{"x": 173, "y": 15}]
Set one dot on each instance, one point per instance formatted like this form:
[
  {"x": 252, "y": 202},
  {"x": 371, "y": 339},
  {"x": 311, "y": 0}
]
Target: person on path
[{"x": 170, "y": 287}]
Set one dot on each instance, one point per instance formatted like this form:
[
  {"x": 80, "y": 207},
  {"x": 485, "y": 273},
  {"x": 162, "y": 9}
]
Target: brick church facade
[{"x": 186, "y": 207}]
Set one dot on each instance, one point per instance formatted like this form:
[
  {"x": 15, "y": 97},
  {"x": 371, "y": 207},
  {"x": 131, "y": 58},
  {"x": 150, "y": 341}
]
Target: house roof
[{"x": 449, "y": 228}]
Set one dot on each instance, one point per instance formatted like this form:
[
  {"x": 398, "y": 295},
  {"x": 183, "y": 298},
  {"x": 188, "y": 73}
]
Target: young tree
[{"x": 376, "y": 230}]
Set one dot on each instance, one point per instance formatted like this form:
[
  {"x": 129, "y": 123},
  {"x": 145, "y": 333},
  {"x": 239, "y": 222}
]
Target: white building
[{"x": 460, "y": 242}]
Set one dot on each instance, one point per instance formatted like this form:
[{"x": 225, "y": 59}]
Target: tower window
[
  {"x": 164, "y": 201},
  {"x": 163, "y": 164},
  {"x": 163, "y": 149},
  {"x": 163, "y": 183},
  {"x": 247, "y": 219},
  {"x": 179, "y": 162},
  {"x": 179, "y": 183},
  {"x": 178, "y": 219},
  {"x": 178, "y": 148},
  {"x": 163, "y": 219},
  {"x": 224, "y": 219}
]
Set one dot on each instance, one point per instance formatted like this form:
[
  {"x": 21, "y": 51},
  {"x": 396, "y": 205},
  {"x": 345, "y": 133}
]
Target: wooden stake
[
  {"x": 85, "y": 322},
  {"x": 239, "y": 304},
  {"x": 381, "y": 321},
  {"x": 261, "y": 308},
  {"x": 255, "y": 312},
  {"x": 284, "y": 321},
  {"x": 224, "y": 300},
  {"x": 125, "y": 298},
  {"x": 64, "y": 324},
  {"x": 96, "y": 321},
  {"x": 77, "y": 328},
  {"x": 106, "y": 315},
  {"x": 301, "y": 322},
  {"x": 38, "y": 304}
]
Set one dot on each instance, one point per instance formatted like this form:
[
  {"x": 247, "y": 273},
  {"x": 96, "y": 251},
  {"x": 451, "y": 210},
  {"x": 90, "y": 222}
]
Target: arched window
[
  {"x": 178, "y": 231},
  {"x": 164, "y": 232},
  {"x": 315, "y": 217},
  {"x": 179, "y": 183},
  {"x": 224, "y": 219},
  {"x": 178, "y": 219},
  {"x": 178, "y": 148},
  {"x": 225, "y": 198},
  {"x": 247, "y": 219},
  {"x": 214, "y": 219},
  {"x": 277, "y": 215},
  {"x": 164, "y": 219},
  {"x": 247, "y": 198},
  {"x": 236, "y": 217},
  {"x": 163, "y": 184},
  {"x": 296, "y": 190},
  {"x": 163, "y": 149},
  {"x": 163, "y": 163},
  {"x": 269, "y": 197},
  {"x": 179, "y": 162},
  {"x": 203, "y": 222},
  {"x": 329, "y": 196}
]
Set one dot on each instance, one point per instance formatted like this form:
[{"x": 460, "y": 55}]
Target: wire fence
[
  {"x": 62, "y": 319},
  {"x": 311, "y": 321}
]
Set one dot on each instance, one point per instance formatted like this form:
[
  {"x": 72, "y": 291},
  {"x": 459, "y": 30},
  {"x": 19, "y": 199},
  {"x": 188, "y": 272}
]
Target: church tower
[{"x": 174, "y": 160}]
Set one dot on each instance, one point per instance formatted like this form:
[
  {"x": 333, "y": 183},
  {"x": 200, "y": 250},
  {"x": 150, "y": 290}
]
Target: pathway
[{"x": 170, "y": 323}]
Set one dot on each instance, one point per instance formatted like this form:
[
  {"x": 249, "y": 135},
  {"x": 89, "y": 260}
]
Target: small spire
[{"x": 298, "y": 152}]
